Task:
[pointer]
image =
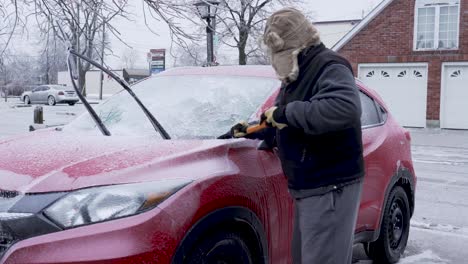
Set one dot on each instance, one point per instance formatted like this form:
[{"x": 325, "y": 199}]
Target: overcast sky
[
  {"x": 140, "y": 38},
  {"x": 136, "y": 34}
]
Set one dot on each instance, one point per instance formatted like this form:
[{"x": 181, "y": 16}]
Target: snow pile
[
  {"x": 440, "y": 227},
  {"x": 426, "y": 257},
  {"x": 433, "y": 226}
]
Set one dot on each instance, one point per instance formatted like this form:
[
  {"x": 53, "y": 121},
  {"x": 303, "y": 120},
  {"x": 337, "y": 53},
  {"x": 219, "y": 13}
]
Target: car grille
[
  {"x": 6, "y": 235},
  {"x": 6, "y": 239}
]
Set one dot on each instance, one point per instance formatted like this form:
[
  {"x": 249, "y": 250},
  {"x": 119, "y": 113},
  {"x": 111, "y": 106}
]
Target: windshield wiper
[
  {"x": 97, "y": 120},
  {"x": 157, "y": 126}
]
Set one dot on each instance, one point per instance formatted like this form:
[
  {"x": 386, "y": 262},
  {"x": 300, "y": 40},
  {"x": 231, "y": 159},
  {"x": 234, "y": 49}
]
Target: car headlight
[{"x": 99, "y": 204}]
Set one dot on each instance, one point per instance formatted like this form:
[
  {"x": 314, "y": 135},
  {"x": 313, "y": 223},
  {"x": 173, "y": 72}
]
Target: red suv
[{"x": 72, "y": 195}]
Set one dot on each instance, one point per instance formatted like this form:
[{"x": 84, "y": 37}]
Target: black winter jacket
[{"x": 322, "y": 145}]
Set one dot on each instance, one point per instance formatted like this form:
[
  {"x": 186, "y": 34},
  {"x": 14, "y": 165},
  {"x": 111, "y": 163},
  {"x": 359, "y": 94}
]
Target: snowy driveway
[{"x": 439, "y": 228}]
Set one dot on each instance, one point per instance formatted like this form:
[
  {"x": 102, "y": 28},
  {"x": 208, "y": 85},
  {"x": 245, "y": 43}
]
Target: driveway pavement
[{"x": 439, "y": 227}]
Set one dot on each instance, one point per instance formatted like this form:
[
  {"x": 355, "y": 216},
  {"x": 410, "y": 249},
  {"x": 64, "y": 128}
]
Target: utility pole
[
  {"x": 47, "y": 81},
  {"x": 102, "y": 58},
  {"x": 77, "y": 31},
  {"x": 209, "y": 32},
  {"x": 3, "y": 68}
]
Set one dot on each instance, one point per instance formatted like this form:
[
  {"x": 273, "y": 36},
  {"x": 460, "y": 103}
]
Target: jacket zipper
[{"x": 304, "y": 154}]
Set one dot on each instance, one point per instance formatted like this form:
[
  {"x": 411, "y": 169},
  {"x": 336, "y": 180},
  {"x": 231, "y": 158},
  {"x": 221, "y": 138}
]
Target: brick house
[{"x": 415, "y": 54}]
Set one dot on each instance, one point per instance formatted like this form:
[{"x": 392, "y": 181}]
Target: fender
[
  {"x": 403, "y": 174},
  {"x": 224, "y": 218}
]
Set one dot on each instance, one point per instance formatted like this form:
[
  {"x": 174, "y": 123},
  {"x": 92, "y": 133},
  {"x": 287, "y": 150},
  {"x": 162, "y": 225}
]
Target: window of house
[
  {"x": 370, "y": 115},
  {"x": 436, "y": 24}
]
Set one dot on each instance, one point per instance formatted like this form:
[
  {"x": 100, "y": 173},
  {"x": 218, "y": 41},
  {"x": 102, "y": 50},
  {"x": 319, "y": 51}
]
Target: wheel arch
[
  {"x": 405, "y": 179},
  {"x": 239, "y": 219}
]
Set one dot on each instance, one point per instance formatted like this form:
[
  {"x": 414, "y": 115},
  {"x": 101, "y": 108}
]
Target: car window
[
  {"x": 45, "y": 88},
  {"x": 36, "y": 89},
  {"x": 370, "y": 114}
]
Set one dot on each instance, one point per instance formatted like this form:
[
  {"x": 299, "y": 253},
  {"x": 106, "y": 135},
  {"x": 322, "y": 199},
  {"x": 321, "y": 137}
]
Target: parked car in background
[
  {"x": 51, "y": 95},
  {"x": 133, "y": 197}
]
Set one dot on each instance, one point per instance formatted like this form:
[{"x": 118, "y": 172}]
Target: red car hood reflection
[{"x": 49, "y": 161}]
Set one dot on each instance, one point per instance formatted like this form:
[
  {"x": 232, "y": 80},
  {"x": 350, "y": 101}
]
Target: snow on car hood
[{"x": 47, "y": 161}]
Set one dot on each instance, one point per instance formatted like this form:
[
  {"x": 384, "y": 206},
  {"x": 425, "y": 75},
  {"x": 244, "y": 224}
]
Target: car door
[
  {"x": 373, "y": 137},
  {"x": 280, "y": 208},
  {"x": 44, "y": 94},
  {"x": 280, "y": 203},
  {"x": 34, "y": 96},
  {"x": 373, "y": 119}
]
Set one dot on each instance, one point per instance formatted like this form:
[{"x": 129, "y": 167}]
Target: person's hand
[
  {"x": 237, "y": 131},
  {"x": 267, "y": 117}
]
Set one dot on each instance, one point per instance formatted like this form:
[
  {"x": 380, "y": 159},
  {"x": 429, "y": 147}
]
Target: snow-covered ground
[
  {"x": 15, "y": 118},
  {"x": 439, "y": 228}
]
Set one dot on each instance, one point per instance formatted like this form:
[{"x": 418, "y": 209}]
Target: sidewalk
[{"x": 437, "y": 137}]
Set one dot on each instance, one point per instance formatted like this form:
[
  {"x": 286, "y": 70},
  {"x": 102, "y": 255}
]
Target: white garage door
[
  {"x": 403, "y": 87},
  {"x": 454, "y": 97}
]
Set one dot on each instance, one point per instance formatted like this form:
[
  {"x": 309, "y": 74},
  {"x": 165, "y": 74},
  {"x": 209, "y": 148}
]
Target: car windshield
[{"x": 188, "y": 106}]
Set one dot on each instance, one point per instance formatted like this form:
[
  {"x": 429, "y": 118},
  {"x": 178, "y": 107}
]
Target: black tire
[
  {"x": 51, "y": 100},
  {"x": 26, "y": 100},
  {"x": 221, "y": 248},
  {"x": 394, "y": 231},
  {"x": 71, "y": 104}
]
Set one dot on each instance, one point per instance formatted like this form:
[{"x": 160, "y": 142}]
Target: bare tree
[
  {"x": 79, "y": 23},
  {"x": 53, "y": 58},
  {"x": 19, "y": 72},
  {"x": 129, "y": 58},
  {"x": 239, "y": 22},
  {"x": 193, "y": 56},
  {"x": 11, "y": 22}
]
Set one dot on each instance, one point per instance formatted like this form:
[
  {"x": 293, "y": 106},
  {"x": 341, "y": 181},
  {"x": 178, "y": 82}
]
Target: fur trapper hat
[{"x": 287, "y": 33}]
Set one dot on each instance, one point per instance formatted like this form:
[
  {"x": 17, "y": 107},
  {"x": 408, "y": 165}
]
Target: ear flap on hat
[{"x": 274, "y": 41}]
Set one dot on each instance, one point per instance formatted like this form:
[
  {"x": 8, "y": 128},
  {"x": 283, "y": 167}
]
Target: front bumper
[{"x": 150, "y": 237}]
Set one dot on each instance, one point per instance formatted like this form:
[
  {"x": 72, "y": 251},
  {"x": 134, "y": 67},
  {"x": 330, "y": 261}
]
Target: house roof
[
  {"x": 374, "y": 13},
  {"x": 348, "y": 21}
]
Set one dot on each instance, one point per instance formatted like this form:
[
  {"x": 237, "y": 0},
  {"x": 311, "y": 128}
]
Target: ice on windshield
[{"x": 190, "y": 106}]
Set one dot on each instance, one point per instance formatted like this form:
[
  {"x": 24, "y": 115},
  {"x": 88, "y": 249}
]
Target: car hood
[{"x": 50, "y": 161}]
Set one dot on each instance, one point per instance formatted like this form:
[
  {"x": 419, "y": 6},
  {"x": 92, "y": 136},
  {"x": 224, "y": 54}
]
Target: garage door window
[
  {"x": 436, "y": 24},
  {"x": 371, "y": 114}
]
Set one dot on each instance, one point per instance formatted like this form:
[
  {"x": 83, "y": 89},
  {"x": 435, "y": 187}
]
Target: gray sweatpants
[{"x": 324, "y": 226}]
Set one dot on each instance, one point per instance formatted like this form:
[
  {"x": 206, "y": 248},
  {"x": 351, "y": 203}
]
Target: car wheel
[
  {"x": 222, "y": 248},
  {"x": 71, "y": 104},
  {"x": 27, "y": 100},
  {"x": 51, "y": 100},
  {"x": 394, "y": 230}
]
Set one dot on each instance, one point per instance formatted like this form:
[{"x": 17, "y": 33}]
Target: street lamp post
[{"x": 207, "y": 10}]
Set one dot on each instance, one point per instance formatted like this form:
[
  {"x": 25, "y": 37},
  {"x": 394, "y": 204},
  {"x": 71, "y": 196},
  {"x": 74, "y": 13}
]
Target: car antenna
[
  {"x": 97, "y": 120},
  {"x": 157, "y": 126}
]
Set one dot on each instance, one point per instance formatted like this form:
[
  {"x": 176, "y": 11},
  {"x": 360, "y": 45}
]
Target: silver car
[{"x": 51, "y": 95}]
